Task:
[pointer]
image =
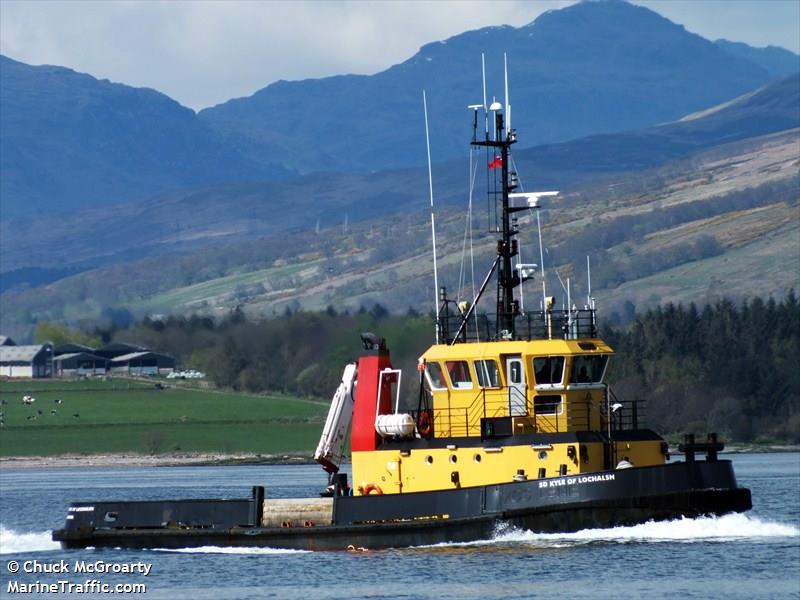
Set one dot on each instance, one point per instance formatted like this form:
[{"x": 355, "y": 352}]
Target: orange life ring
[
  {"x": 371, "y": 487},
  {"x": 425, "y": 423}
]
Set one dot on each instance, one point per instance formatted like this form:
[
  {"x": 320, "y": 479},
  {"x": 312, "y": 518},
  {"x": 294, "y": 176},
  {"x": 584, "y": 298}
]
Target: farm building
[
  {"x": 26, "y": 361},
  {"x": 79, "y": 363},
  {"x": 142, "y": 363},
  {"x": 7, "y": 341},
  {"x": 116, "y": 349},
  {"x": 70, "y": 348}
]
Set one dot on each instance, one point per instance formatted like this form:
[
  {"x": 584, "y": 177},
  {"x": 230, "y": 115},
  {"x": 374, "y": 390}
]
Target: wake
[
  {"x": 733, "y": 527},
  {"x": 727, "y": 527},
  {"x": 13, "y": 542}
]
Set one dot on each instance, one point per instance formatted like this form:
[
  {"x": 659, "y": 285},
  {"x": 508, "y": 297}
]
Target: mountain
[
  {"x": 769, "y": 109},
  {"x": 779, "y": 62},
  {"x": 594, "y": 67},
  {"x": 190, "y": 219},
  {"x": 70, "y": 141}
]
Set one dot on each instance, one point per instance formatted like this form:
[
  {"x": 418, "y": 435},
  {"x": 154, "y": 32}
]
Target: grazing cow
[
  {"x": 76, "y": 415},
  {"x": 57, "y": 400}
]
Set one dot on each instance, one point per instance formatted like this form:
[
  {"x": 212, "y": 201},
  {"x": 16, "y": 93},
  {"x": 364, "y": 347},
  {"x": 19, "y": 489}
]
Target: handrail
[
  {"x": 575, "y": 415},
  {"x": 532, "y": 325}
]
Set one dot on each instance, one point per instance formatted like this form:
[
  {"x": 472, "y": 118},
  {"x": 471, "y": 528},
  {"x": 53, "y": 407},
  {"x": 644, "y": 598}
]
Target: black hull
[{"x": 562, "y": 504}]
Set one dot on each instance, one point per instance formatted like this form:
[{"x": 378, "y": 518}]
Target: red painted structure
[{"x": 364, "y": 437}]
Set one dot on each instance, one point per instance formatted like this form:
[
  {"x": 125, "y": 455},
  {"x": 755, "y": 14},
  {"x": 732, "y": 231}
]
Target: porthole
[
  {"x": 429, "y": 459},
  {"x": 542, "y": 454},
  {"x": 477, "y": 458},
  {"x": 453, "y": 458}
]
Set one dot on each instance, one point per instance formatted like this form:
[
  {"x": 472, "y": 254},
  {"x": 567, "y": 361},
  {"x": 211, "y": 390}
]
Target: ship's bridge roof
[{"x": 550, "y": 347}]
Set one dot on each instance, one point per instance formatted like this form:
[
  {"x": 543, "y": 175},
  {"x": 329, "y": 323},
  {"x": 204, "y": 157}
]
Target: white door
[{"x": 517, "y": 390}]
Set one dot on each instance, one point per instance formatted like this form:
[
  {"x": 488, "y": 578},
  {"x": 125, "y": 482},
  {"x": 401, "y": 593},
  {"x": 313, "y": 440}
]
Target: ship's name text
[{"x": 575, "y": 480}]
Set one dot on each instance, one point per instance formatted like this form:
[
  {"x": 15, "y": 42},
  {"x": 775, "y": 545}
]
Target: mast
[{"x": 507, "y": 278}]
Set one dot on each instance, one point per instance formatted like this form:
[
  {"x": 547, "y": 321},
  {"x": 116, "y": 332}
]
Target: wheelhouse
[{"x": 541, "y": 386}]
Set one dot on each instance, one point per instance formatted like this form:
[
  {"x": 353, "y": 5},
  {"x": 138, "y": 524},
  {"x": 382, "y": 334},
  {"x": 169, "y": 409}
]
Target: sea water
[{"x": 747, "y": 556}]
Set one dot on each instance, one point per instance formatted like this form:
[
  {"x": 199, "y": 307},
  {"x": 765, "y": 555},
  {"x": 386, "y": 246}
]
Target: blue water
[{"x": 756, "y": 555}]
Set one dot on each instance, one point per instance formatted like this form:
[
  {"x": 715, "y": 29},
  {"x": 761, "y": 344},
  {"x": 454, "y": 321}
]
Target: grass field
[{"x": 96, "y": 416}]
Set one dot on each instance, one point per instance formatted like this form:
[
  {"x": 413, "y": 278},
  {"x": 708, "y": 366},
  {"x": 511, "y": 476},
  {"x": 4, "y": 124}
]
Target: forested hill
[{"x": 722, "y": 367}]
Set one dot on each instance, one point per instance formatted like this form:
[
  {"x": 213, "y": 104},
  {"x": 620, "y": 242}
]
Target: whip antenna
[
  {"x": 433, "y": 221},
  {"x": 485, "y": 106},
  {"x": 505, "y": 82}
]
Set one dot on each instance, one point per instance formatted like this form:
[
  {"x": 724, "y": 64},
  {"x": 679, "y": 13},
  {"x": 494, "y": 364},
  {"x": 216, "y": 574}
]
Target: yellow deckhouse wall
[{"x": 459, "y": 406}]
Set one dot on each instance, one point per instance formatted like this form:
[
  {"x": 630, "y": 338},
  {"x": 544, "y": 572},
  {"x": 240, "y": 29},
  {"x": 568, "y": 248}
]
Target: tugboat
[{"x": 514, "y": 424}]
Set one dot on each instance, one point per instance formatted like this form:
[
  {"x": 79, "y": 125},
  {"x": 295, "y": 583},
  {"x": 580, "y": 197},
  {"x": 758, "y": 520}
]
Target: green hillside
[{"x": 141, "y": 417}]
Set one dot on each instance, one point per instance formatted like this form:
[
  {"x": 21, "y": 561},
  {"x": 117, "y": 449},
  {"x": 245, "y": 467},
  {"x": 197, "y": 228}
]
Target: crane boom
[{"x": 331, "y": 444}]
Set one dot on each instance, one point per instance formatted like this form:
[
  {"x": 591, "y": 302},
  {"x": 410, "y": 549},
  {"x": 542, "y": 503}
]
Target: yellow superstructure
[
  {"x": 470, "y": 382},
  {"x": 511, "y": 410}
]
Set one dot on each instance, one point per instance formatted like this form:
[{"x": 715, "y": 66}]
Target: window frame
[
  {"x": 463, "y": 384},
  {"x": 587, "y": 384},
  {"x": 483, "y": 371},
  {"x": 550, "y": 386},
  {"x": 552, "y": 414},
  {"x": 435, "y": 388}
]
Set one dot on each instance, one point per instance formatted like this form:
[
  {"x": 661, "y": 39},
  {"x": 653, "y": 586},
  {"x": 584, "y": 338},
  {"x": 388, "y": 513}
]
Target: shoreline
[
  {"x": 131, "y": 460},
  {"x": 206, "y": 459}
]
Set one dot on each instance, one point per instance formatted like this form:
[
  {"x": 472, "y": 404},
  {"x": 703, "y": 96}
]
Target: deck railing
[
  {"x": 465, "y": 421},
  {"x": 532, "y": 325}
]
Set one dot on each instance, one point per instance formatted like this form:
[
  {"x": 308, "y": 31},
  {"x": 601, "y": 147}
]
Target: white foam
[
  {"x": 13, "y": 542},
  {"x": 231, "y": 550},
  {"x": 727, "y": 527}
]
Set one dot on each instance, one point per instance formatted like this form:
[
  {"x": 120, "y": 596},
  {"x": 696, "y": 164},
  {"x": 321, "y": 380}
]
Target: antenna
[
  {"x": 505, "y": 80},
  {"x": 569, "y": 308},
  {"x": 588, "y": 281},
  {"x": 433, "y": 221},
  {"x": 541, "y": 256},
  {"x": 520, "y": 266},
  {"x": 485, "y": 108}
]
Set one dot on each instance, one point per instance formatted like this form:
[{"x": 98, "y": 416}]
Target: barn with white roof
[{"x": 26, "y": 361}]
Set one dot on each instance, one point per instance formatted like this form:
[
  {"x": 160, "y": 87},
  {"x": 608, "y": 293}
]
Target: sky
[{"x": 202, "y": 53}]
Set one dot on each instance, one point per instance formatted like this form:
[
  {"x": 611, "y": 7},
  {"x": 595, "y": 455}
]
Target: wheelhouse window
[
  {"x": 435, "y": 377},
  {"x": 458, "y": 370},
  {"x": 547, "y": 405},
  {"x": 588, "y": 369},
  {"x": 548, "y": 370},
  {"x": 488, "y": 373}
]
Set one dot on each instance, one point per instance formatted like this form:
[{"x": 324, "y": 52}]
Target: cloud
[{"x": 204, "y": 53}]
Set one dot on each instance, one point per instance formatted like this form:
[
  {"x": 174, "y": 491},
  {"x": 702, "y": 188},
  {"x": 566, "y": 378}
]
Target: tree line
[
  {"x": 721, "y": 367},
  {"x": 734, "y": 369}
]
